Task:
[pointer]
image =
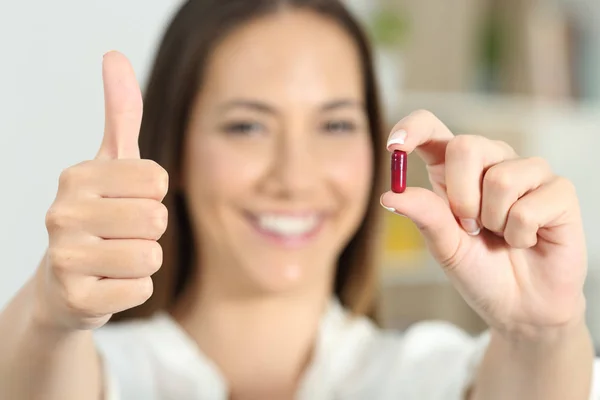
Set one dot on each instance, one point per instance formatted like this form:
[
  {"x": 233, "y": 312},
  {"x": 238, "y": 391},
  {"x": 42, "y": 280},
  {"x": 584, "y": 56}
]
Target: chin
[{"x": 277, "y": 277}]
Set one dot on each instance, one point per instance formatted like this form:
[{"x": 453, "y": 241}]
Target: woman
[{"x": 264, "y": 115}]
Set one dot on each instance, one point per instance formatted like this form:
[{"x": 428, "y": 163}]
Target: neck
[{"x": 262, "y": 343}]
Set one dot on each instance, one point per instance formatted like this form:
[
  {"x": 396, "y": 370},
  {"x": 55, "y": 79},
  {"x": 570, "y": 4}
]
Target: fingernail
[
  {"x": 397, "y": 137},
  {"x": 391, "y": 209},
  {"x": 470, "y": 226}
]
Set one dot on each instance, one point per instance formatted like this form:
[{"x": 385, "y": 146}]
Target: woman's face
[{"x": 277, "y": 164}]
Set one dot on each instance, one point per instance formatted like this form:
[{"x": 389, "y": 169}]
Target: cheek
[
  {"x": 351, "y": 170},
  {"x": 219, "y": 172}
]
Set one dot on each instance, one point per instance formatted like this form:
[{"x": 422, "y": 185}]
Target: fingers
[
  {"x": 137, "y": 218},
  {"x": 467, "y": 160},
  {"x": 507, "y": 182},
  {"x": 434, "y": 219},
  {"x": 545, "y": 207},
  {"x": 123, "y": 109},
  {"x": 484, "y": 182},
  {"x": 423, "y": 132},
  {"x": 116, "y": 179},
  {"x": 119, "y": 259},
  {"x": 99, "y": 297},
  {"x": 463, "y": 160}
]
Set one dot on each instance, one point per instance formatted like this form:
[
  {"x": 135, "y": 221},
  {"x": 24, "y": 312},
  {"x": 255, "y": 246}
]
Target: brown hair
[{"x": 176, "y": 79}]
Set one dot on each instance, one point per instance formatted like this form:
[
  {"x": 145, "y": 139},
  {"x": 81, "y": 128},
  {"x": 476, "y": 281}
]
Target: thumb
[
  {"x": 122, "y": 108},
  {"x": 433, "y": 217}
]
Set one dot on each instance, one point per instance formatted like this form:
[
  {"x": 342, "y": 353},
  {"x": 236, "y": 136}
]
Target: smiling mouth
[{"x": 288, "y": 229}]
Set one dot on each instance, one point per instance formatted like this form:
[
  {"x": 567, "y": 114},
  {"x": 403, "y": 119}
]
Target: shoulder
[
  {"x": 430, "y": 360},
  {"x": 126, "y": 350},
  {"x": 421, "y": 341},
  {"x": 129, "y": 340},
  {"x": 153, "y": 359}
]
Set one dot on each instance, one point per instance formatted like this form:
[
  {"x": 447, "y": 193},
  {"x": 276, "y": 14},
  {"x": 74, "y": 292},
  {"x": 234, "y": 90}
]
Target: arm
[
  {"x": 558, "y": 367},
  {"x": 40, "y": 362}
]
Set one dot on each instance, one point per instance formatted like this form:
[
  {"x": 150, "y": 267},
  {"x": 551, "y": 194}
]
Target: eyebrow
[
  {"x": 267, "y": 109},
  {"x": 343, "y": 103},
  {"x": 249, "y": 104}
]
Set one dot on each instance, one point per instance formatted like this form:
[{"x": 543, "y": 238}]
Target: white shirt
[{"x": 154, "y": 359}]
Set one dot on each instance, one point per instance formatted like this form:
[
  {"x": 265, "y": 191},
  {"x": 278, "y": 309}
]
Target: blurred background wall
[
  {"x": 524, "y": 71},
  {"x": 52, "y": 107}
]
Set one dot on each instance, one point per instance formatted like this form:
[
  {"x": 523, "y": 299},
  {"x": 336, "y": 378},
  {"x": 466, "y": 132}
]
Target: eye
[
  {"x": 339, "y": 126},
  {"x": 243, "y": 128}
]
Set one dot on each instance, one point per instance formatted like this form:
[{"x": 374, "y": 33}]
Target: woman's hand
[
  {"x": 506, "y": 229},
  {"x": 105, "y": 222}
]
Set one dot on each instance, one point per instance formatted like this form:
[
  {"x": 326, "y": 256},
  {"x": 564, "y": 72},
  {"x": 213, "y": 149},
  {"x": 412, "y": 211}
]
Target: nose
[{"x": 295, "y": 167}]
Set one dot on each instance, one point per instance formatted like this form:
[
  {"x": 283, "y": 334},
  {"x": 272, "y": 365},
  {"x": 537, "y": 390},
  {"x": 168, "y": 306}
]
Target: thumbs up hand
[{"x": 106, "y": 219}]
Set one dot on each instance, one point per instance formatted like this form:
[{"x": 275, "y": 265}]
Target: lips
[{"x": 287, "y": 228}]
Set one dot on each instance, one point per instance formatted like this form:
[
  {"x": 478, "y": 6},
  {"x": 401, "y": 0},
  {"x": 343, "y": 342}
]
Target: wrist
[
  {"x": 41, "y": 321},
  {"x": 549, "y": 327},
  {"x": 31, "y": 328},
  {"x": 42, "y": 311},
  {"x": 552, "y": 364},
  {"x": 543, "y": 341}
]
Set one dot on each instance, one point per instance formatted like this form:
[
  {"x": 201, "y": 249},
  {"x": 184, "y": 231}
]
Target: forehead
[{"x": 294, "y": 55}]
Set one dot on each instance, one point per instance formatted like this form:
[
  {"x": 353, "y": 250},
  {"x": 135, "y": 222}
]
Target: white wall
[{"x": 51, "y": 104}]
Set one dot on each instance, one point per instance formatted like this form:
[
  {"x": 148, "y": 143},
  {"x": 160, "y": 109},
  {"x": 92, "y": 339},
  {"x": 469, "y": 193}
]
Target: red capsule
[{"x": 398, "y": 171}]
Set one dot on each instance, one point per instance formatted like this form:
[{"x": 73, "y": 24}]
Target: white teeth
[{"x": 287, "y": 225}]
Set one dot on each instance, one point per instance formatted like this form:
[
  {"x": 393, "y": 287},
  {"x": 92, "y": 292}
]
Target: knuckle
[
  {"x": 157, "y": 178},
  {"x": 530, "y": 241},
  {"x": 566, "y": 185},
  {"x": 144, "y": 290},
  {"x": 60, "y": 259},
  {"x": 76, "y": 300},
  {"x": 158, "y": 217},
  {"x": 522, "y": 216},
  {"x": 66, "y": 177},
  {"x": 152, "y": 257},
  {"x": 508, "y": 149},
  {"x": 540, "y": 166},
  {"x": 463, "y": 147},
  {"x": 541, "y": 162},
  {"x": 491, "y": 219},
  {"x": 59, "y": 217},
  {"x": 521, "y": 240},
  {"x": 160, "y": 181},
  {"x": 498, "y": 180},
  {"x": 70, "y": 177}
]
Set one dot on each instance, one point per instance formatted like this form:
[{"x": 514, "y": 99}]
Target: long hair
[{"x": 175, "y": 81}]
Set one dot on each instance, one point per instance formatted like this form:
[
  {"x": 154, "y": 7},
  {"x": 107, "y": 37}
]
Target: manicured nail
[
  {"x": 397, "y": 137},
  {"x": 470, "y": 226},
  {"x": 391, "y": 209}
]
